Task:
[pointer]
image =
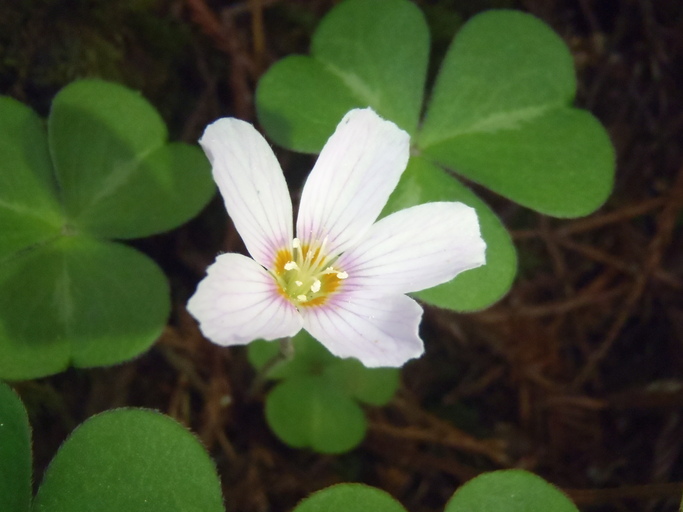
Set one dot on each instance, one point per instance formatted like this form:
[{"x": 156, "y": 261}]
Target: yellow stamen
[{"x": 306, "y": 275}]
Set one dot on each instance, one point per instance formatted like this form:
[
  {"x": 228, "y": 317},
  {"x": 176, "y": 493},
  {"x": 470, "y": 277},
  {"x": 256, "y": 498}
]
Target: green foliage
[
  {"x": 301, "y": 99},
  {"x": 349, "y": 498},
  {"x": 15, "y": 453},
  {"x": 499, "y": 491},
  {"x": 133, "y": 459},
  {"x": 308, "y": 357},
  {"x": 130, "y": 459},
  {"x": 310, "y": 411},
  {"x": 118, "y": 176},
  {"x": 372, "y": 386},
  {"x": 500, "y": 115},
  {"x": 511, "y": 490},
  {"x": 315, "y": 403},
  {"x": 102, "y": 170},
  {"x": 29, "y": 209},
  {"x": 125, "y": 459},
  {"x": 424, "y": 182},
  {"x": 81, "y": 301}
]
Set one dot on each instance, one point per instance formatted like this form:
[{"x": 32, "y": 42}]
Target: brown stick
[{"x": 665, "y": 226}]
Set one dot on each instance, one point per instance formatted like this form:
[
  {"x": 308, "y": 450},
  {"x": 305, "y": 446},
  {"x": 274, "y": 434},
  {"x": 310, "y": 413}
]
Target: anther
[
  {"x": 315, "y": 287},
  {"x": 342, "y": 275},
  {"x": 291, "y": 265},
  {"x": 296, "y": 243},
  {"x": 301, "y": 298}
]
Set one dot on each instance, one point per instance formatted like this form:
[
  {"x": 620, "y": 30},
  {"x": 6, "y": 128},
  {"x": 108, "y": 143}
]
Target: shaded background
[{"x": 576, "y": 375}]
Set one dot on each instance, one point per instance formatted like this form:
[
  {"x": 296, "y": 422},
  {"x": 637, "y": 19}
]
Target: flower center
[{"x": 306, "y": 275}]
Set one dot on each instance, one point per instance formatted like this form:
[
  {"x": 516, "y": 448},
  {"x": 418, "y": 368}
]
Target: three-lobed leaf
[
  {"x": 500, "y": 114},
  {"x": 314, "y": 405},
  {"x": 103, "y": 169}
]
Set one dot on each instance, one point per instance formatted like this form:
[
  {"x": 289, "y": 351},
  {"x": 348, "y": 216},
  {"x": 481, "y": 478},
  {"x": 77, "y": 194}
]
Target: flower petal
[
  {"x": 414, "y": 249},
  {"x": 237, "y": 302},
  {"x": 351, "y": 182},
  {"x": 252, "y": 185},
  {"x": 377, "y": 331}
]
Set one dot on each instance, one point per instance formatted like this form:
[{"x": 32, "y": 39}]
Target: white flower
[{"x": 344, "y": 277}]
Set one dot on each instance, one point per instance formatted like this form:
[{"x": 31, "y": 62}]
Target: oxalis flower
[{"x": 344, "y": 276}]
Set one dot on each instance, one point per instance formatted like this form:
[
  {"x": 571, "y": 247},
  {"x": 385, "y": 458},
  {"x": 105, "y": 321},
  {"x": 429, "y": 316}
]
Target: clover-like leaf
[
  {"x": 102, "y": 170},
  {"x": 349, "y": 498},
  {"x": 15, "y": 453},
  {"x": 475, "y": 289},
  {"x": 501, "y": 115},
  {"x": 309, "y": 411},
  {"x": 510, "y": 490},
  {"x": 130, "y": 459},
  {"x": 362, "y": 54},
  {"x": 318, "y": 390}
]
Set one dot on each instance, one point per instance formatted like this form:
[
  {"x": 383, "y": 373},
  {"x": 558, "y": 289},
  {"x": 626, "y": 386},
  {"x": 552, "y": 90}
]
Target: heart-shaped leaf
[
  {"x": 15, "y": 453},
  {"x": 349, "y": 498},
  {"x": 118, "y": 176},
  {"x": 500, "y": 114},
  {"x": 130, "y": 459},
  {"x": 509, "y": 491},
  {"x": 309, "y": 411},
  {"x": 362, "y": 54},
  {"x": 80, "y": 301}
]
